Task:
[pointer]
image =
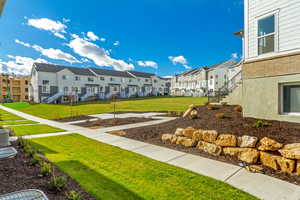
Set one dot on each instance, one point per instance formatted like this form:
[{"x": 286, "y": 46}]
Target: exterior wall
[
  {"x": 262, "y": 97},
  {"x": 287, "y": 25},
  {"x": 17, "y": 85}
]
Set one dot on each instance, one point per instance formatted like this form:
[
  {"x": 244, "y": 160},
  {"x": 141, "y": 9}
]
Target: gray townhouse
[{"x": 60, "y": 84}]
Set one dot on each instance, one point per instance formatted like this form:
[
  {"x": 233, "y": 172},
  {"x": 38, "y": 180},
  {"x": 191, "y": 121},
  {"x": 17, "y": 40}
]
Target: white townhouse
[
  {"x": 203, "y": 80},
  {"x": 271, "y": 69},
  {"x": 59, "y": 84}
]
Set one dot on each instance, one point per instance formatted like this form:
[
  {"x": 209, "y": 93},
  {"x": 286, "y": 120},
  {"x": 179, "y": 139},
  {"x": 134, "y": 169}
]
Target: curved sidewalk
[{"x": 259, "y": 185}]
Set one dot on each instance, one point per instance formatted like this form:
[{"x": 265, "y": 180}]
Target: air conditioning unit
[{"x": 4, "y": 138}]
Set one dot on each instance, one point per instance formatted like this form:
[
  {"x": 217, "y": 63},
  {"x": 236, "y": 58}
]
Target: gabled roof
[
  {"x": 227, "y": 63},
  {"x": 43, "y": 67},
  {"x": 107, "y": 72},
  {"x": 141, "y": 74}
]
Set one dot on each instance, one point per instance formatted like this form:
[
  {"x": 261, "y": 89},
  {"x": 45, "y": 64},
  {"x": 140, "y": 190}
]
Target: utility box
[{"x": 4, "y": 138}]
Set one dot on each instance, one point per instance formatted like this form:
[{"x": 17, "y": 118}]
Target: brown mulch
[
  {"x": 113, "y": 122},
  {"x": 233, "y": 123},
  {"x": 18, "y": 174},
  {"x": 74, "y": 118}
]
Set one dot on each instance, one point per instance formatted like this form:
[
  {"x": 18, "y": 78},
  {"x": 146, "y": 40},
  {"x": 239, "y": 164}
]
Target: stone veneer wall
[{"x": 248, "y": 149}]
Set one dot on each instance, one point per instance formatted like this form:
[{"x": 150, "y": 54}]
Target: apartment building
[
  {"x": 14, "y": 88},
  {"x": 203, "y": 81},
  {"x": 271, "y": 71},
  {"x": 61, "y": 84}
]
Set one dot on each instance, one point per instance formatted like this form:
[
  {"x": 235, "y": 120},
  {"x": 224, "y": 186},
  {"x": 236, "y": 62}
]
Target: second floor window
[
  {"x": 77, "y": 78},
  {"x": 102, "y": 78},
  {"x": 45, "y": 82},
  {"x": 266, "y": 35},
  {"x": 90, "y": 79},
  {"x": 64, "y": 77}
]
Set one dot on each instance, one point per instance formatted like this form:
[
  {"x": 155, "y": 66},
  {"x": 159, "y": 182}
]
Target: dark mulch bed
[
  {"x": 74, "y": 118},
  {"x": 113, "y": 122},
  {"x": 18, "y": 174},
  {"x": 233, "y": 123}
]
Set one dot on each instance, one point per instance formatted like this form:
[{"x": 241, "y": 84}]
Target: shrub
[
  {"x": 259, "y": 124},
  {"x": 45, "y": 169},
  {"x": 211, "y": 107},
  {"x": 73, "y": 195},
  {"x": 29, "y": 150},
  {"x": 57, "y": 183},
  {"x": 238, "y": 109},
  {"x": 22, "y": 142},
  {"x": 220, "y": 115},
  {"x": 36, "y": 159}
]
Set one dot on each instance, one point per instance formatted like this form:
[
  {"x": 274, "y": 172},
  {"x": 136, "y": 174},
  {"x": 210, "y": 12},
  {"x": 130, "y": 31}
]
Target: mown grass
[
  {"x": 23, "y": 130},
  {"x": 137, "y": 105},
  {"x": 17, "y": 122},
  {"x": 6, "y": 116},
  {"x": 107, "y": 172}
]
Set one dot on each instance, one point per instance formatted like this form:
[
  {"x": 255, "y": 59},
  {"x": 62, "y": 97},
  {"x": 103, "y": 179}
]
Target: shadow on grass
[
  {"x": 41, "y": 148},
  {"x": 97, "y": 185}
]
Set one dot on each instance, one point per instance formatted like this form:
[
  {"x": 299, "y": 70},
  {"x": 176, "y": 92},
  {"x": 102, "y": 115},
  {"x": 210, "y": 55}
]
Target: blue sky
[{"x": 158, "y": 36}]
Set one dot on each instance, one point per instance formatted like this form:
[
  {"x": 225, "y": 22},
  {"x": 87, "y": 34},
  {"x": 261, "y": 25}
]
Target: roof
[
  {"x": 142, "y": 74},
  {"x": 227, "y": 63},
  {"x": 44, "y": 67},
  {"x": 111, "y": 72}
]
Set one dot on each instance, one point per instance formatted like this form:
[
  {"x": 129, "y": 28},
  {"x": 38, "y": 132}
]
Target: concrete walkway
[{"x": 259, "y": 185}]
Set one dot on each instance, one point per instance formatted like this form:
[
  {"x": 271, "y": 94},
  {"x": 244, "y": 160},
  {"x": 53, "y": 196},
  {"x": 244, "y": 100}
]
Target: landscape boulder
[
  {"x": 247, "y": 155},
  {"x": 277, "y": 162},
  {"x": 179, "y": 132},
  {"x": 226, "y": 140},
  {"x": 247, "y": 141},
  {"x": 268, "y": 144},
  {"x": 187, "y": 142},
  {"x": 209, "y": 136},
  {"x": 255, "y": 168},
  {"x": 298, "y": 167},
  {"x": 197, "y": 136},
  {"x": 209, "y": 148},
  {"x": 189, "y": 132},
  {"x": 194, "y": 114},
  {"x": 291, "y": 151},
  {"x": 188, "y": 111},
  {"x": 174, "y": 139},
  {"x": 167, "y": 137},
  {"x": 180, "y": 140}
]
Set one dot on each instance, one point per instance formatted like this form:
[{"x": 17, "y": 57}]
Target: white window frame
[
  {"x": 281, "y": 107},
  {"x": 276, "y": 33}
]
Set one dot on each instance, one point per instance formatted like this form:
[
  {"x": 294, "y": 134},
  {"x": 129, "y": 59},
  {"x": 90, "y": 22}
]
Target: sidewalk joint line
[
  {"x": 172, "y": 159},
  {"x": 237, "y": 171}
]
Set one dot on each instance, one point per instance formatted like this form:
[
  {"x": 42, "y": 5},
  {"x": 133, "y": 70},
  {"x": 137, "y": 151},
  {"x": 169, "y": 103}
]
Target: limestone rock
[
  {"x": 179, "y": 132},
  {"x": 197, "y": 136},
  {"x": 255, "y": 168},
  {"x": 180, "y": 140},
  {"x": 187, "y": 142},
  {"x": 267, "y": 144},
  {"x": 194, "y": 114},
  {"x": 209, "y": 148},
  {"x": 226, "y": 140},
  {"x": 291, "y": 151},
  {"x": 189, "y": 132},
  {"x": 209, "y": 136},
  {"x": 298, "y": 167},
  {"x": 277, "y": 162},
  {"x": 174, "y": 139},
  {"x": 167, "y": 137},
  {"x": 188, "y": 111},
  {"x": 247, "y": 141},
  {"x": 247, "y": 155}
]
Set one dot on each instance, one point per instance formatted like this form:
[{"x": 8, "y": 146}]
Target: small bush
[
  {"x": 45, "y": 169},
  {"x": 259, "y": 124},
  {"x": 22, "y": 142},
  {"x": 29, "y": 150},
  {"x": 238, "y": 109},
  {"x": 36, "y": 159},
  {"x": 211, "y": 107},
  {"x": 73, "y": 195},
  {"x": 220, "y": 116},
  {"x": 57, "y": 183}
]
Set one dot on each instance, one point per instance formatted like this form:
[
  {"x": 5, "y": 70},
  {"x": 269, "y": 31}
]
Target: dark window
[
  {"x": 26, "y": 82},
  {"x": 26, "y": 89},
  {"x": 90, "y": 79},
  {"x": 45, "y": 82},
  {"x": 102, "y": 78},
  {"x": 291, "y": 99},
  {"x": 77, "y": 78}
]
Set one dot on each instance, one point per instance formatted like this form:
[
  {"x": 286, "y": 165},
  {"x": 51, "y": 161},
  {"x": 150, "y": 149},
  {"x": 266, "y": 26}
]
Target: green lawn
[
  {"x": 138, "y": 105},
  {"x": 17, "y": 122},
  {"x": 34, "y": 129},
  {"x": 6, "y": 116},
  {"x": 107, "y": 172}
]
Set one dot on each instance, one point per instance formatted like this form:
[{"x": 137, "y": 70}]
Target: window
[
  {"x": 155, "y": 81},
  {"x": 130, "y": 80},
  {"x": 26, "y": 89},
  {"x": 45, "y": 82},
  {"x": 112, "y": 79},
  {"x": 64, "y": 77},
  {"x": 66, "y": 89},
  {"x": 211, "y": 77},
  {"x": 26, "y": 82},
  {"x": 266, "y": 35},
  {"x": 90, "y": 79},
  {"x": 146, "y": 80},
  {"x": 44, "y": 89},
  {"x": 77, "y": 78},
  {"x": 291, "y": 99},
  {"x": 217, "y": 76}
]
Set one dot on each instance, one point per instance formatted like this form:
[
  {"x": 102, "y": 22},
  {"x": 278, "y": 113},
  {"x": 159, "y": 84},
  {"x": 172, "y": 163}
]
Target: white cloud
[
  {"x": 116, "y": 43},
  {"x": 55, "y": 27},
  {"x": 19, "y": 65},
  {"x": 148, "y": 64},
  {"x": 92, "y": 36},
  {"x": 97, "y": 54},
  {"x": 56, "y": 54},
  {"x": 235, "y": 55},
  {"x": 187, "y": 67},
  {"x": 66, "y": 20},
  {"x": 178, "y": 59}
]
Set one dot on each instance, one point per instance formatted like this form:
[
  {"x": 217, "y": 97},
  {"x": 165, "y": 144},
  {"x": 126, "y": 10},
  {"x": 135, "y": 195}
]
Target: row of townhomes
[
  {"x": 14, "y": 88},
  {"x": 205, "y": 81},
  {"x": 60, "y": 84}
]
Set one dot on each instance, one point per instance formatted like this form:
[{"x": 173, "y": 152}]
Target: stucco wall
[{"x": 262, "y": 97}]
